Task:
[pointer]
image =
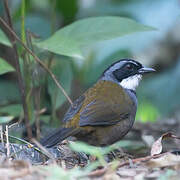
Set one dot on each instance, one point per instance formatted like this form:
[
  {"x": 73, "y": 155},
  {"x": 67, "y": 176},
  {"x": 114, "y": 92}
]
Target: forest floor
[{"x": 153, "y": 153}]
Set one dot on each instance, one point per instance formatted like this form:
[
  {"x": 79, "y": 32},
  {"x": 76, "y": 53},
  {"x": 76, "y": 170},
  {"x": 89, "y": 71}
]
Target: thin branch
[
  {"x": 30, "y": 145},
  {"x": 1, "y": 135},
  {"x": 36, "y": 98},
  {"x": 17, "y": 65},
  {"x": 8, "y": 13},
  {"x": 21, "y": 140},
  {"x": 37, "y": 59},
  {"x": 7, "y": 141},
  {"x": 49, "y": 155}
]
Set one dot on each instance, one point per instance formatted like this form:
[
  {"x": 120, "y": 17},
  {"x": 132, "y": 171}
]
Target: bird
[{"x": 106, "y": 112}]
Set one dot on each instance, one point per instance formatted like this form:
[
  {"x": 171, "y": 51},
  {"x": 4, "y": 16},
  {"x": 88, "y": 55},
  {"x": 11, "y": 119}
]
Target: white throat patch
[{"x": 131, "y": 82}]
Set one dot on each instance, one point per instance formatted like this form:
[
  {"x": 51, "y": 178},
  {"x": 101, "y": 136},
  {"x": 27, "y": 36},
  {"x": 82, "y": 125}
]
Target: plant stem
[
  {"x": 36, "y": 59},
  {"x": 23, "y": 38},
  {"x": 17, "y": 66},
  {"x": 26, "y": 65},
  {"x": 7, "y": 141}
]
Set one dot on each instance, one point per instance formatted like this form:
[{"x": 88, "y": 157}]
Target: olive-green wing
[
  {"x": 100, "y": 107},
  {"x": 102, "y": 113}
]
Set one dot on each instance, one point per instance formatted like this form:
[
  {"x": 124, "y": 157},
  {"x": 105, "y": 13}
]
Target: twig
[
  {"x": 29, "y": 144},
  {"x": 1, "y": 132},
  {"x": 14, "y": 152},
  {"x": 37, "y": 59},
  {"x": 143, "y": 159},
  {"x": 17, "y": 65},
  {"x": 7, "y": 141},
  {"x": 41, "y": 111},
  {"x": 102, "y": 171},
  {"x": 49, "y": 155},
  {"x": 26, "y": 142},
  {"x": 14, "y": 124},
  {"x": 21, "y": 140},
  {"x": 37, "y": 94}
]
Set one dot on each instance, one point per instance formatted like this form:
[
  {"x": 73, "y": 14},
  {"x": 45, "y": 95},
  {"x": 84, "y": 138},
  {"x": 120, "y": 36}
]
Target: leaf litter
[{"x": 25, "y": 162}]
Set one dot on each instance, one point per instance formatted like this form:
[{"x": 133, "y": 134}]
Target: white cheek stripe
[{"x": 131, "y": 82}]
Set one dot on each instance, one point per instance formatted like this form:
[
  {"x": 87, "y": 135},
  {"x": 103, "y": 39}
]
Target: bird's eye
[{"x": 129, "y": 66}]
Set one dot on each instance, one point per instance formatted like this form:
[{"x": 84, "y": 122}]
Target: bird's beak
[{"x": 146, "y": 70}]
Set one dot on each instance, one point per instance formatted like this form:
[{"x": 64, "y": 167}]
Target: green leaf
[
  {"x": 14, "y": 109},
  {"x": 95, "y": 151},
  {"x": 62, "y": 70},
  {"x": 88, "y": 149},
  {"x": 99, "y": 152},
  {"x": 5, "y": 119},
  {"x": 3, "y": 39},
  {"x": 37, "y": 24},
  {"x": 9, "y": 92},
  {"x": 72, "y": 39},
  {"x": 5, "y": 67}
]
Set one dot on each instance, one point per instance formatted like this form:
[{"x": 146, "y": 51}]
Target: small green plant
[{"x": 98, "y": 152}]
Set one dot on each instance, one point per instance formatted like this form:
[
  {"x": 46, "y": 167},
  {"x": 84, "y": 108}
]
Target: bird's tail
[{"x": 57, "y": 136}]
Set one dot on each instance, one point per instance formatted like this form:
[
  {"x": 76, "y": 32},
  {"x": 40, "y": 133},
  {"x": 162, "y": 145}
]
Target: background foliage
[{"x": 77, "y": 40}]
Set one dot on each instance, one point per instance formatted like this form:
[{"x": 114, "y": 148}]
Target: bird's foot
[{"x": 118, "y": 154}]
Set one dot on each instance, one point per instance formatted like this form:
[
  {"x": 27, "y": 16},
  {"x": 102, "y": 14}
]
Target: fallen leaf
[{"x": 157, "y": 145}]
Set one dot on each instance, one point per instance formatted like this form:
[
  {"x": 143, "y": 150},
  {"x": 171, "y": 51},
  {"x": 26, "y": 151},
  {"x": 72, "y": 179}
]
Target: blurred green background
[{"x": 158, "y": 94}]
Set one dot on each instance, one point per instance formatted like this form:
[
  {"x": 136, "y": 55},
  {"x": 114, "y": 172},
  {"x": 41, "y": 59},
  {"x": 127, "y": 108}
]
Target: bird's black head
[{"x": 127, "y": 72}]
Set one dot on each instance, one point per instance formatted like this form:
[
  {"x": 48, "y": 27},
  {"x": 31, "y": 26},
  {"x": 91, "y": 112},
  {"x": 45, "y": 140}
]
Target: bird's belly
[
  {"x": 114, "y": 133},
  {"x": 105, "y": 135}
]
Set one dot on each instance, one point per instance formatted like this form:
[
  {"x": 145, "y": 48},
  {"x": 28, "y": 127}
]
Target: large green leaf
[
  {"x": 9, "y": 92},
  {"x": 3, "y": 39},
  {"x": 37, "y": 24},
  {"x": 72, "y": 39},
  {"x": 5, "y": 67},
  {"x": 62, "y": 70},
  {"x": 5, "y": 119},
  {"x": 14, "y": 110}
]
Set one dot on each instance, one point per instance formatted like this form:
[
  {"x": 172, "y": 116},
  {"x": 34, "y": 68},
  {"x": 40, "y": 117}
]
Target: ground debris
[{"x": 26, "y": 162}]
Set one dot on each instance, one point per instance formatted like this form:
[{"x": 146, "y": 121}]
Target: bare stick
[
  {"x": 7, "y": 141},
  {"x": 17, "y": 66},
  {"x": 49, "y": 155},
  {"x": 30, "y": 145},
  {"x": 37, "y": 59},
  {"x": 1, "y": 132}
]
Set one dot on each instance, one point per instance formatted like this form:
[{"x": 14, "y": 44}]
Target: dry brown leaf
[{"x": 157, "y": 145}]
